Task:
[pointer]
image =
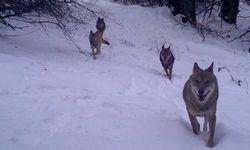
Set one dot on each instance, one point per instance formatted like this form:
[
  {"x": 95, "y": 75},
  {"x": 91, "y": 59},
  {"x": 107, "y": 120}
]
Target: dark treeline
[
  {"x": 228, "y": 8},
  {"x": 66, "y": 14},
  {"x": 190, "y": 10}
]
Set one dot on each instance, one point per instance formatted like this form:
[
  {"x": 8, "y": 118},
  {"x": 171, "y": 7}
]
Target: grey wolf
[
  {"x": 100, "y": 24},
  {"x": 200, "y": 95},
  {"x": 96, "y": 39},
  {"x": 167, "y": 60}
]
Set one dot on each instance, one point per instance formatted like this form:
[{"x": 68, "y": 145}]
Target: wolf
[
  {"x": 96, "y": 39},
  {"x": 200, "y": 94},
  {"x": 100, "y": 24},
  {"x": 167, "y": 60}
]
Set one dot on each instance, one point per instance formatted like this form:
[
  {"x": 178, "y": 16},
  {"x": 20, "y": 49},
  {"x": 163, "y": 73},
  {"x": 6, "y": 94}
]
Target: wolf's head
[
  {"x": 203, "y": 82},
  {"x": 166, "y": 56},
  {"x": 100, "y": 24},
  {"x": 165, "y": 49},
  {"x": 165, "y": 53}
]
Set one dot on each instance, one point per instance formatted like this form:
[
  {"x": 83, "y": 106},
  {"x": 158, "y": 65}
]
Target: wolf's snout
[
  {"x": 202, "y": 95},
  {"x": 201, "y": 92}
]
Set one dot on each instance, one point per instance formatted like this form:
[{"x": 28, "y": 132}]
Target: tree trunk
[
  {"x": 186, "y": 8},
  {"x": 229, "y": 10}
]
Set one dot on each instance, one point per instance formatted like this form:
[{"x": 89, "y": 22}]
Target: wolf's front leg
[
  {"x": 166, "y": 70},
  {"x": 205, "y": 123},
  {"x": 195, "y": 124},
  {"x": 170, "y": 71},
  {"x": 212, "y": 122},
  {"x": 93, "y": 53},
  {"x": 98, "y": 51}
]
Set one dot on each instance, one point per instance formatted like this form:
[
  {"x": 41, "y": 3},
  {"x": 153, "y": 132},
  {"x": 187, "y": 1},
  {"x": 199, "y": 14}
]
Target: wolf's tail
[{"x": 106, "y": 42}]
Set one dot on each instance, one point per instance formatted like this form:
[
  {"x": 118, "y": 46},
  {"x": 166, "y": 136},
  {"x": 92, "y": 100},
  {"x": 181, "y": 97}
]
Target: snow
[{"x": 53, "y": 97}]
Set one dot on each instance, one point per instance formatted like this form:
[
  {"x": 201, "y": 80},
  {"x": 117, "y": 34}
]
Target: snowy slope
[{"x": 53, "y": 97}]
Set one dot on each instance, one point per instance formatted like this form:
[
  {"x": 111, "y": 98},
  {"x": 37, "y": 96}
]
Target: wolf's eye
[
  {"x": 196, "y": 81},
  {"x": 207, "y": 81}
]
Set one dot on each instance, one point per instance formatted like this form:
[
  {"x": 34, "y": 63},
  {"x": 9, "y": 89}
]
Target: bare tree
[{"x": 65, "y": 14}]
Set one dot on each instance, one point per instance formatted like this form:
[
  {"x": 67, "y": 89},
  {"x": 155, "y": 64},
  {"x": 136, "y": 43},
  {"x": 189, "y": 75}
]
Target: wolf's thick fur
[
  {"x": 96, "y": 39},
  {"x": 167, "y": 60},
  {"x": 200, "y": 94},
  {"x": 100, "y": 24}
]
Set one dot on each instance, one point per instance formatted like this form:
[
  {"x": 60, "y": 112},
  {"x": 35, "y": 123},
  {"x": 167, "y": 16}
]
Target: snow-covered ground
[{"x": 53, "y": 97}]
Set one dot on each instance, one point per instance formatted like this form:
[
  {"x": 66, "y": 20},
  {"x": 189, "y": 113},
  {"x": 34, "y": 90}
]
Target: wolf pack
[{"x": 200, "y": 92}]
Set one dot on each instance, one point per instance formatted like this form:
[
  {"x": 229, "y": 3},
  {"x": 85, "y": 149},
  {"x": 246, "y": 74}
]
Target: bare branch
[{"x": 237, "y": 82}]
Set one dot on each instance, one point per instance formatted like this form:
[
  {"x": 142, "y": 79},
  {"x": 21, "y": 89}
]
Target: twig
[
  {"x": 239, "y": 37},
  {"x": 246, "y": 84},
  {"x": 238, "y": 82}
]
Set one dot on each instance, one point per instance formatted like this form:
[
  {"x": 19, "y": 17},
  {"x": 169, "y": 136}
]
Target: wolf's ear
[
  {"x": 99, "y": 18},
  {"x": 91, "y": 32},
  {"x": 210, "y": 68},
  {"x": 162, "y": 47},
  {"x": 196, "y": 68},
  {"x": 168, "y": 47}
]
